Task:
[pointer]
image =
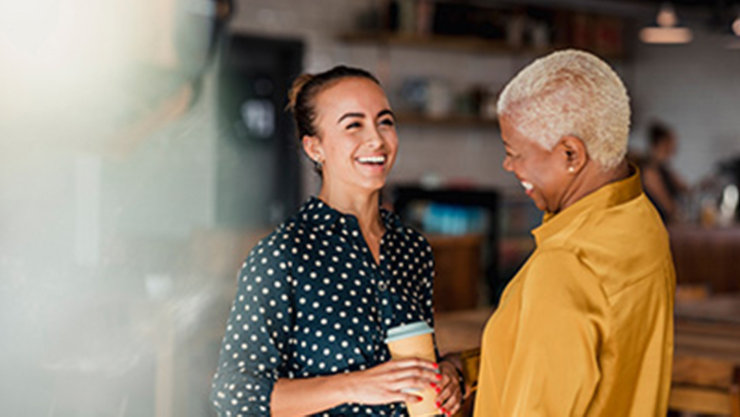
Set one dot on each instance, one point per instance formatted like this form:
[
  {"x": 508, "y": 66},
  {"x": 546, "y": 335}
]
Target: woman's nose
[{"x": 374, "y": 139}]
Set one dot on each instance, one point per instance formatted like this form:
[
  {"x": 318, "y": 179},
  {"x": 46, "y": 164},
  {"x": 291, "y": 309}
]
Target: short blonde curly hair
[{"x": 571, "y": 92}]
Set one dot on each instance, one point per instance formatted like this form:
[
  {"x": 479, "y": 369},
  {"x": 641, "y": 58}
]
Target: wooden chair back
[{"x": 705, "y": 386}]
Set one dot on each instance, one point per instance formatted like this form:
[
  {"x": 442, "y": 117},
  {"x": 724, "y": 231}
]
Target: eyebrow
[
  {"x": 362, "y": 115},
  {"x": 386, "y": 112},
  {"x": 347, "y": 115}
]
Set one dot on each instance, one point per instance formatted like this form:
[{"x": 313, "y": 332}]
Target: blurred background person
[{"x": 662, "y": 185}]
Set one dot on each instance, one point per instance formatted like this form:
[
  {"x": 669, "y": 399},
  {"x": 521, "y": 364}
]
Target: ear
[
  {"x": 312, "y": 147},
  {"x": 573, "y": 152}
]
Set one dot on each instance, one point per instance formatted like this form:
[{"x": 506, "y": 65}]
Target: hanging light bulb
[
  {"x": 734, "y": 43},
  {"x": 666, "y": 16},
  {"x": 667, "y": 31}
]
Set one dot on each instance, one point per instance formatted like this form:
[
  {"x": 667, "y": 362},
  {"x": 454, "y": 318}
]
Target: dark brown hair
[
  {"x": 658, "y": 133},
  {"x": 302, "y": 95}
]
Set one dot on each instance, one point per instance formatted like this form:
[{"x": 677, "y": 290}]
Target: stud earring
[
  {"x": 318, "y": 164},
  {"x": 571, "y": 169}
]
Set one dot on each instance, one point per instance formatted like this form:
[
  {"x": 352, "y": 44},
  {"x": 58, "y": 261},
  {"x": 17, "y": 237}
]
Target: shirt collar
[
  {"x": 318, "y": 212},
  {"x": 610, "y": 195}
]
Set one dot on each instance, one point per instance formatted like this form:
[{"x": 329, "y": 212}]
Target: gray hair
[{"x": 574, "y": 93}]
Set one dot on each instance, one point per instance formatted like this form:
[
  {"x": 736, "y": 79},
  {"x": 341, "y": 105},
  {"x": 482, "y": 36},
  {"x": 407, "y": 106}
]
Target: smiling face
[
  {"x": 543, "y": 173},
  {"x": 356, "y": 141}
]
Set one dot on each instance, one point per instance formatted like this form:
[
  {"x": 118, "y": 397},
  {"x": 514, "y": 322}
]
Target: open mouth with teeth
[
  {"x": 528, "y": 187},
  {"x": 372, "y": 160}
]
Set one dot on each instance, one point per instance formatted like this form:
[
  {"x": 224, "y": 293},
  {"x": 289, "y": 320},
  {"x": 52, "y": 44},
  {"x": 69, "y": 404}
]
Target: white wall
[
  {"x": 450, "y": 153},
  {"x": 696, "y": 89}
]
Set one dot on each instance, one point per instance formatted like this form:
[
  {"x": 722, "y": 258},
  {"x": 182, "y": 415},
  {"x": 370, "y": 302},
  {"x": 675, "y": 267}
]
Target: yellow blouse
[{"x": 586, "y": 326}]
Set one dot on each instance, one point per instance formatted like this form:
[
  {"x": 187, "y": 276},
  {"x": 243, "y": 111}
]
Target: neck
[
  {"x": 361, "y": 204},
  {"x": 591, "y": 178}
]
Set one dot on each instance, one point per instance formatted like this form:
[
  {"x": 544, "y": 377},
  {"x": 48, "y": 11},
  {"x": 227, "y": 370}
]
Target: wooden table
[
  {"x": 707, "y": 339},
  {"x": 706, "y": 359},
  {"x": 708, "y": 328},
  {"x": 706, "y": 256}
]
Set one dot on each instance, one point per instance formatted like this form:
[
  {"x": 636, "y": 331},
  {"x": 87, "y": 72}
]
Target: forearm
[{"x": 300, "y": 397}]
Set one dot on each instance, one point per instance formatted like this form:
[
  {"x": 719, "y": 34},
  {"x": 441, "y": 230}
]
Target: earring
[
  {"x": 318, "y": 164},
  {"x": 571, "y": 169}
]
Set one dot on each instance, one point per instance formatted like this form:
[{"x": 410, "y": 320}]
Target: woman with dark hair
[
  {"x": 661, "y": 184},
  {"x": 316, "y": 297}
]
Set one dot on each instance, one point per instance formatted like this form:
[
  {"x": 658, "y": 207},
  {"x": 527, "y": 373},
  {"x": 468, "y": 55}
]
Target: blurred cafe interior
[{"x": 144, "y": 149}]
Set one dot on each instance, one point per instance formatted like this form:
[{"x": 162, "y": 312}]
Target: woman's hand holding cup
[{"x": 393, "y": 381}]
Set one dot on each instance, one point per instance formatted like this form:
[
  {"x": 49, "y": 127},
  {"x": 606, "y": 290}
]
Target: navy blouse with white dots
[{"x": 312, "y": 301}]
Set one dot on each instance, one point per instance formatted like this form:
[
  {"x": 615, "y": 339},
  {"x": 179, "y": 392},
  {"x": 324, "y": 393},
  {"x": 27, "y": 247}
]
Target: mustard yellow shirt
[{"x": 586, "y": 326}]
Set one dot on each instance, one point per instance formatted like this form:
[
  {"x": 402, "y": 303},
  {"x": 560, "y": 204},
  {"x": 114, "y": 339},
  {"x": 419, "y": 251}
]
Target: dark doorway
[{"x": 258, "y": 179}]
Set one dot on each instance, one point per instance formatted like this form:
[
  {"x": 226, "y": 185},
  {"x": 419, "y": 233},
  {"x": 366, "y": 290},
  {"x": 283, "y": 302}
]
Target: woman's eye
[
  {"x": 388, "y": 122},
  {"x": 354, "y": 125}
]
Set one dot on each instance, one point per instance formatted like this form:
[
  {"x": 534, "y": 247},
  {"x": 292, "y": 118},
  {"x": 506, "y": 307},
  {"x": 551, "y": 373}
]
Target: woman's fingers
[
  {"x": 400, "y": 396},
  {"x": 413, "y": 362},
  {"x": 449, "y": 399},
  {"x": 410, "y": 382},
  {"x": 396, "y": 381},
  {"x": 421, "y": 376}
]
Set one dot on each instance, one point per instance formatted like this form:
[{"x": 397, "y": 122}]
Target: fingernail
[
  {"x": 438, "y": 404},
  {"x": 439, "y": 376},
  {"x": 419, "y": 399},
  {"x": 436, "y": 366},
  {"x": 443, "y": 411}
]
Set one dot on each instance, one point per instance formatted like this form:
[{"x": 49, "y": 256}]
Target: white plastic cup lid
[{"x": 408, "y": 330}]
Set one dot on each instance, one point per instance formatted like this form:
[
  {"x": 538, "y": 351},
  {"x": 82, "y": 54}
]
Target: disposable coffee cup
[{"x": 414, "y": 340}]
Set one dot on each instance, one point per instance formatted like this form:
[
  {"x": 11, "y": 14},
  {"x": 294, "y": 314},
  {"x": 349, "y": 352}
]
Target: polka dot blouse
[{"x": 312, "y": 301}]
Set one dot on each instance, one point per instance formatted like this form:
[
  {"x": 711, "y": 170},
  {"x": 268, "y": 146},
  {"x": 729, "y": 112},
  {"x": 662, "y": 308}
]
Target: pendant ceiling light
[
  {"x": 667, "y": 30},
  {"x": 735, "y": 42}
]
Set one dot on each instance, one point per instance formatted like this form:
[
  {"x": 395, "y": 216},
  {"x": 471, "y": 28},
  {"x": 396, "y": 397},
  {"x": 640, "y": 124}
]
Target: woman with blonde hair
[{"x": 585, "y": 328}]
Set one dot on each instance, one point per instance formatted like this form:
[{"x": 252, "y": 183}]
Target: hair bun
[{"x": 296, "y": 88}]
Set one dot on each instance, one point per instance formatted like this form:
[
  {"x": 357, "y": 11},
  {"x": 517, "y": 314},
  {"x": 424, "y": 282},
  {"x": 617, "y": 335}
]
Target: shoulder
[
  {"x": 560, "y": 276},
  {"x": 622, "y": 243},
  {"x": 558, "y": 261},
  {"x": 276, "y": 251}
]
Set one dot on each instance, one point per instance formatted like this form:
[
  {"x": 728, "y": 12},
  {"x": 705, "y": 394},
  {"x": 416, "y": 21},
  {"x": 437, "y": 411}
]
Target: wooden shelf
[
  {"x": 437, "y": 42},
  {"x": 464, "y": 44},
  {"x": 418, "y": 119}
]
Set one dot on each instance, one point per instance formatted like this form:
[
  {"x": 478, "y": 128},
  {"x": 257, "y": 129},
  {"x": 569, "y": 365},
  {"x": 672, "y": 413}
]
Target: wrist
[{"x": 344, "y": 386}]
